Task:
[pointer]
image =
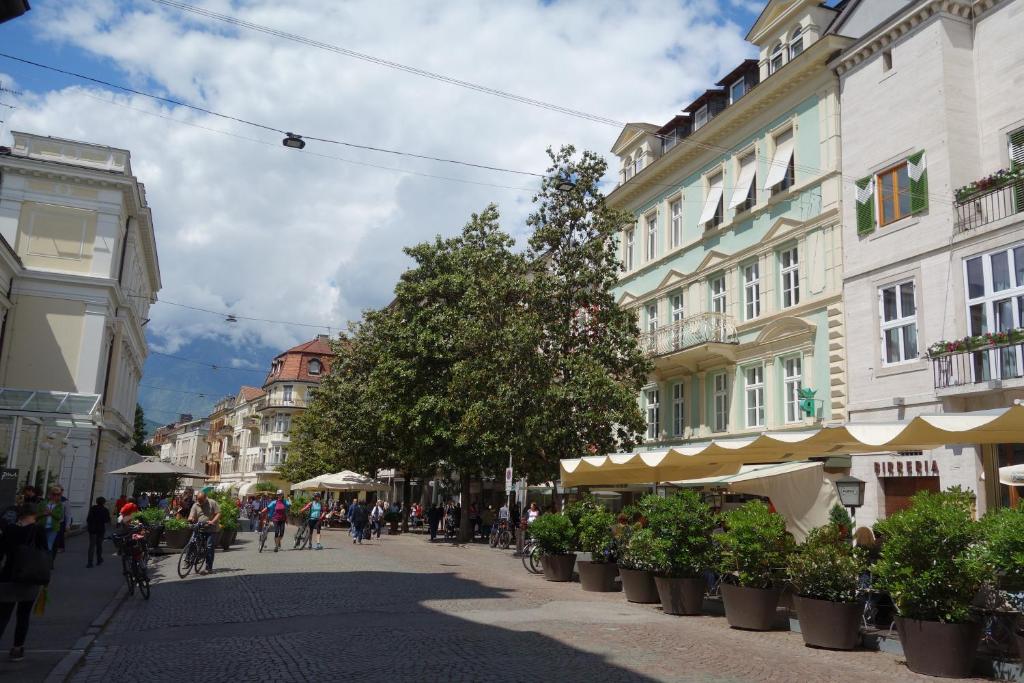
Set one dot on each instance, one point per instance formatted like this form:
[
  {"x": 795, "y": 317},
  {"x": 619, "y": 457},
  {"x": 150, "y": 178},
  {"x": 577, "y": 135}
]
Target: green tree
[{"x": 139, "y": 444}]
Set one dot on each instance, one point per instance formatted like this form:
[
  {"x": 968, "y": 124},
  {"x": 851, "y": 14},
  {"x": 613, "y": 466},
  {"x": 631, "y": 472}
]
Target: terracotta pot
[
  {"x": 177, "y": 538},
  {"x": 558, "y": 567},
  {"x": 832, "y": 625},
  {"x": 937, "y": 649},
  {"x": 680, "y": 596},
  {"x": 598, "y": 577},
  {"x": 750, "y": 608},
  {"x": 639, "y": 586},
  {"x": 226, "y": 538}
]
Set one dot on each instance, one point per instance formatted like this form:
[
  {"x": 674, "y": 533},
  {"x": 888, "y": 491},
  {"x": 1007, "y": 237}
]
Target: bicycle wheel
[
  {"x": 492, "y": 540},
  {"x": 504, "y": 539},
  {"x": 263, "y": 539},
  {"x": 186, "y": 560},
  {"x": 199, "y": 558},
  {"x": 535, "y": 564},
  {"x": 527, "y": 551},
  {"x": 130, "y": 580},
  {"x": 300, "y": 536},
  {"x": 142, "y": 579}
]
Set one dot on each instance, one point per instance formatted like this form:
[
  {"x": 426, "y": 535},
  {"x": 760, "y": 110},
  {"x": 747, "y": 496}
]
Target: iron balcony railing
[
  {"x": 965, "y": 368},
  {"x": 694, "y": 330},
  {"x": 989, "y": 206}
]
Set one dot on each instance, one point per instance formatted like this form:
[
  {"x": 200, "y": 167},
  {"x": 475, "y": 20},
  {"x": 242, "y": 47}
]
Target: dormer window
[
  {"x": 737, "y": 90},
  {"x": 701, "y": 117},
  {"x": 776, "y": 60},
  {"x": 315, "y": 367},
  {"x": 638, "y": 163},
  {"x": 796, "y": 42}
]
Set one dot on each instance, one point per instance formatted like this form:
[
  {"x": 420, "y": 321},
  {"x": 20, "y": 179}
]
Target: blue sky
[{"x": 248, "y": 227}]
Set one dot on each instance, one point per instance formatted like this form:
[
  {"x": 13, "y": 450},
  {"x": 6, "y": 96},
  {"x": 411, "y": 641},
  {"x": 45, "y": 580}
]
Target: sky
[{"x": 246, "y": 226}]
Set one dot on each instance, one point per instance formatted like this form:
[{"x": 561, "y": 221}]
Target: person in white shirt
[
  {"x": 532, "y": 514},
  {"x": 376, "y": 518},
  {"x": 503, "y": 512}
]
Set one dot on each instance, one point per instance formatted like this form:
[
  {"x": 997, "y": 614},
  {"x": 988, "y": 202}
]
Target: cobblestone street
[{"x": 402, "y": 609}]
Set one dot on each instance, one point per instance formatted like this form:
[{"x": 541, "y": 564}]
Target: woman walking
[
  {"x": 315, "y": 509},
  {"x": 18, "y": 587},
  {"x": 52, "y": 512}
]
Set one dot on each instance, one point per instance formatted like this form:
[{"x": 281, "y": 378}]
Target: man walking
[
  {"x": 207, "y": 512},
  {"x": 376, "y": 518},
  {"x": 96, "y": 523},
  {"x": 357, "y": 516},
  {"x": 434, "y": 520}
]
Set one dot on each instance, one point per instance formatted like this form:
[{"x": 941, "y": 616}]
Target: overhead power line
[
  {"x": 281, "y": 131},
  {"x": 206, "y": 364},
  {"x": 238, "y": 316}
]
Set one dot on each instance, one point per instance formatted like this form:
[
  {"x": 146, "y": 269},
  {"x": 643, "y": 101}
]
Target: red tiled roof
[
  {"x": 250, "y": 393},
  {"x": 319, "y": 346},
  {"x": 293, "y": 364}
]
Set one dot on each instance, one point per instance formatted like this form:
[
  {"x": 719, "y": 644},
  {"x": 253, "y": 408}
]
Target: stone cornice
[{"x": 892, "y": 30}]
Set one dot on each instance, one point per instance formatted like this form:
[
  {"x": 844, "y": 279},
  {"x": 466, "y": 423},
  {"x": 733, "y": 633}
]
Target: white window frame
[
  {"x": 720, "y": 402},
  {"x": 286, "y": 393},
  {"x": 753, "y": 395},
  {"x": 315, "y": 363},
  {"x": 678, "y": 313},
  {"x": 751, "y": 290},
  {"x": 652, "y": 398},
  {"x": 651, "y": 222},
  {"x": 652, "y": 317},
  {"x": 742, "y": 82},
  {"x": 678, "y": 409},
  {"x": 789, "y": 275},
  {"x": 1005, "y": 362},
  {"x": 796, "y": 43},
  {"x": 629, "y": 249},
  {"x": 719, "y": 303},
  {"x": 792, "y": 383},
  {"x": 900, "y": 323},
  {"x": 675, "y": 208},
  {"x": 700, "y": 117},
  {"x": 777, "y": 52}
]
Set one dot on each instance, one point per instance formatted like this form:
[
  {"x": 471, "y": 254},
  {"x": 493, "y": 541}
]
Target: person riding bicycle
[
  {"x": 277, "y": 514},
  {"x": 206, "y": 512},
  {"x": 315, "y": 509}
]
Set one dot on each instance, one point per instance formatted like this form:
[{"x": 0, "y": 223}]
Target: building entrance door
[{"x": 899, "y": 490}]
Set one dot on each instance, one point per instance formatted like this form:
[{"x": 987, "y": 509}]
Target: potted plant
[
  {"x": 153, "y": 517},
  {"x": 824, "y": 571},
  {"x": 555, "y": 537},
  {"x": 755, "y": 548},
  {"x": 392, "y": 519},
  {"x": 683, "y": 550},
  {"x": 176, "y": 533},
  {"x": 229, "y": 513},
  {"x": 594, "y": 535},
  {"x": 933, "y": 564},
  {"x": 1003, "y": 531},
  {"x": 636, "y": 563}
]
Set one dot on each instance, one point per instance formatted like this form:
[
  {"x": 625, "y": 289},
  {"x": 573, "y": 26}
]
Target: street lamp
[
  {"x": 851, "y": 492},
  {"x": 294, "y": 141}
]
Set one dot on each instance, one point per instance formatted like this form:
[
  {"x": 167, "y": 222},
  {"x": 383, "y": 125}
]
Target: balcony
[
  {"x": 251, "y": 422},
  {"x": 990, "y": 199},
  {"x": 274, "y": 402},
  {"x": 692, "y": 340},
  {"x": 977, "y": 366}
]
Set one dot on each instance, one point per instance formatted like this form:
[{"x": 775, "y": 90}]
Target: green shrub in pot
[
  {"x": 642, "y": 551},
  {"x": 755, "y": 546},
  {"x": 152, "y": 516},
  {"x": 1003, "y": 531},
  {"x": 683, "y": 525},
  {"x": 594, "y": 533},
  {"x": 553, "y": 534},
  {"x": 826, "y": 566},
  {"x": 176, "y": 524}
]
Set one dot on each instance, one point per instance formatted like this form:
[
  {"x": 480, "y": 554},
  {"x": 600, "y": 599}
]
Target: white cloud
[{"x": 272, "y": 233}]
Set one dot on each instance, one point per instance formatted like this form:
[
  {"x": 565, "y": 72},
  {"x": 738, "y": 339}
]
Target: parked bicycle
[
  {"x": 501, "y": 535},
  {"x": 193, "y": 555},
  {"x": 133, "y": 548},
  {"x": 531, "y": 557}
]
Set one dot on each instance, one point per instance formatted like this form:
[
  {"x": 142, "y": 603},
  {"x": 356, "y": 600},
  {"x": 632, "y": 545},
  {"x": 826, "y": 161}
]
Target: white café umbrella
[
  {"x": 346, "y": 480},
  {"x": 1012, "y": 475},
  {"x": 159, "y": 467}
]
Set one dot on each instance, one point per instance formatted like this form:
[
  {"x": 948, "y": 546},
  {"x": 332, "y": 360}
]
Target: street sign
[{"x": 508, "y": 480}]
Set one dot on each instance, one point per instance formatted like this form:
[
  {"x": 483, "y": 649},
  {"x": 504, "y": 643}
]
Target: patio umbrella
[
  {"x": 1012, "y": 475},
  {"x": 346, "y": 480},
  {"x": 159, "y": 467}
]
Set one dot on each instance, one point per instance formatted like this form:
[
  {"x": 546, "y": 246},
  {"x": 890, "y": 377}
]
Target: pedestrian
[
  {"x": 59, "y": 544},
  {"x": 532, "y": 514},
  {"x": 143, "y": 502},
  {"x": 52, "y": 512},
  {"x": 96, "y": 523},
  {"x": 376, "y": 518},
  {"x": 357, "y": 516},
  {"x": 187, "y": 501},
  {"x": 163, "y": 503},
  {"x": 434, "y": 516},
  {"x": 277, "y": 513},
  {"x": 315, "y": 508},
  {"x": 21, "y": 576},
  {"x": 120, "y": 503},
  {"x": 207, "y": 512}
]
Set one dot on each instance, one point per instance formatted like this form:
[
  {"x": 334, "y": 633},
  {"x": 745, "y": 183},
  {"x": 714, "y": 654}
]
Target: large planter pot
[
  {"x": 832, "y": 625},
  {"x": 639, "y": 586},
  {"x": 598, "y": 577},
  {"x": 937, "y": 649},
  {"x": 392, "y": 528},
  {"x": 177, "y": 538},
  {"x": 154, "y": 536},
  {"x": 227, "y": 537},
  {"x": 750, "y": 608},
  {"x": 680, "y": 596},
  {"x": 558, "y": 567}
]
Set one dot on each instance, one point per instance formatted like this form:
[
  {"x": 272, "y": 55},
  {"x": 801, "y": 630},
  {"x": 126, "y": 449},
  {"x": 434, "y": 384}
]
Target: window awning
[
  {"x": 780, "y": 161},
  {"x": 711, "y": 204},
  {"x": 746, "y": 177},
  {"x": 48, "y": 404},
  {"x": 723, "y": 457}
]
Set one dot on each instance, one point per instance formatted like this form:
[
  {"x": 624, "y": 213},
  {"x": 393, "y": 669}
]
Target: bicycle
[
  {"x": 264, "y": 533},
  {"x": 302, "y": 533},
  {"x": 450, "y": 527},
  {"x": 501, "y": 536},
  {"x": 133, "y": 547},
  {"x": 193, "y": 555},
  {"x": 532, "y": 557}
]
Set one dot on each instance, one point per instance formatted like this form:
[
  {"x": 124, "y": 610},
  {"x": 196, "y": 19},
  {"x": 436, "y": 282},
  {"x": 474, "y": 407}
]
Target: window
[
  {"x": 744, "y": 195},
  {"x": 314, "y": 367},
  {"x": 775, "y": 61},
  {"x": 737, "y": 90},
  {"x": 676, "y": 300},
  {"x": 627, "y": 256},
  {"x": 700, "y": 117},
  {"x": 638, "y": 163},
  {"x": 678, "y": 409},
  {"x": 652, "y": 317},
  {"x": 790, "y": 263},
  {"x": 793, "y": 378},
  {"x": 995, "y": 303},
  {"x": 796, "y": 43},
  {"x": 287, "y": 393},
  {"x": 282, "y": 423},
  {"x": 721, "y": 402},
  {"x": 718, "y": 294},
  {"x": 652, "y": 237},
  {"x": 714, "y": 211},
  {"x": 899, "y": 323},
  {"x": 754, "y": 390},
  {"x": 886, "y": 60},
  {"x": 782, "y": 170},
  {"x": 676, "y": 213},
  {"x": 751, "y": 290},
  {"x": 653, "y": 413},
  {"x": 893, "y": 194},
  {"x": 1015, "y": 142}
]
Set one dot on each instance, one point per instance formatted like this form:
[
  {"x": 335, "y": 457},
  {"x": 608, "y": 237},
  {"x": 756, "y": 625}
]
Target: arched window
[
  {"x": 776, "y": 59},
  {"x": 315, "y": 367},
  {"x": 796, "y": 42}
]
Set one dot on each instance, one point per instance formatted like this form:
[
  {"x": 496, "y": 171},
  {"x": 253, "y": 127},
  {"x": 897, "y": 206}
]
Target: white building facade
[{"x": 933, "y": 231}]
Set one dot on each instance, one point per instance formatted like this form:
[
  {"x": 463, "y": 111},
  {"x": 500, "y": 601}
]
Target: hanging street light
[
  {"x": 294, "y": 141},
  {"x": 231, "y": 319}
]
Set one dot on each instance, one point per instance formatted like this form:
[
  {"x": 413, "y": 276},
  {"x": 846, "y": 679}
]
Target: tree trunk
[
  {"x": 406, "y": 502},
  {"x": 465, "y": 530}
]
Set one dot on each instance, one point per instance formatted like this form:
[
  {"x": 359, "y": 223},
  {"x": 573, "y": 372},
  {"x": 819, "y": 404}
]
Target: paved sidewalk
[{"x": 77, "y": 596}]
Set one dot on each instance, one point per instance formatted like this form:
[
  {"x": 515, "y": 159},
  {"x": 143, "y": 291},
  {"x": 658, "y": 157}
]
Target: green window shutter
[
  {"x": 865, "y": 200},
  {"x": 918, "y": 173}
]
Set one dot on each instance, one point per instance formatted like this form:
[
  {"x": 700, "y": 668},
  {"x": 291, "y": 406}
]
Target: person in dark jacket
[
  {"x": 15, "y": 597},
  {"x": 434, "y": 516},
  {"x": 96, "y": 522},
  {"x": 358, "y": 516}
]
